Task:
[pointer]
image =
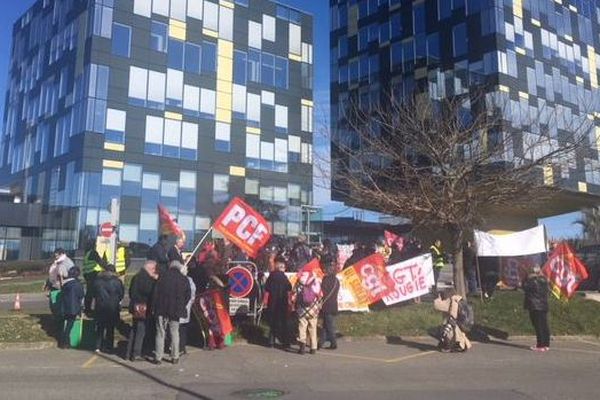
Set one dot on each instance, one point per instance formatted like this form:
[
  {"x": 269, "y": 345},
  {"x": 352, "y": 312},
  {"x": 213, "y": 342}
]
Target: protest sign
[
  {"x": 344, "y": 253},
  {"x": 212, "y": 307},
  {"x": 514, "y": 270},
  {"x": 530, "y": 241},
  {"x": 243, "y": 226},
  {"x": 412, "y": 278},
  {"x": 346, "y": 299},
  {"x": 564, "y": 271},
  {"x": 368, "y": 279}
]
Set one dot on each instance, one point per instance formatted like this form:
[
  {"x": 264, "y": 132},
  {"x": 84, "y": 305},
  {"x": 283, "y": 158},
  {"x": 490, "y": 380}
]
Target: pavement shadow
[
  {"x": 487, "y": 331},
  {"x": 47, "y": 323},
  {"x": 397, "y": 340},
  {"x": 155, "y": 379}
]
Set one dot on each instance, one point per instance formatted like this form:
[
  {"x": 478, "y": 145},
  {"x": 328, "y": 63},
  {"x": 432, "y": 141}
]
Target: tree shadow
[
  {"x": 483, "y": 333},
  {"x": 155, "y": 379},
  {"x": 48, "y": 324},
  {"x": 397, "y": 340}
]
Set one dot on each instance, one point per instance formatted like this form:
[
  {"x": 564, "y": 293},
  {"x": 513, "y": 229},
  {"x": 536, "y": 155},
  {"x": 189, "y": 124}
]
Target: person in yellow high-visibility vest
[
  {"x": 439, "y": 260},
  {"x": 121, "y": 261},
  {"x": 93, "y": 264}
]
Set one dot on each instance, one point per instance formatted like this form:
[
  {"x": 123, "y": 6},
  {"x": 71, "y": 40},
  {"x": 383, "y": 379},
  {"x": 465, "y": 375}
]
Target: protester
[
  {"x": 470, "y": 266},
  {"x": 122, "y": 260},
  {"x": 300, "y": 255},
  {"x": 185, "y": 321},
  {"x": 308, "y": 296},
  {"x": 439, "y": 260},
  {"x": 171, "y": 296},
  {"x": 174, "y": 253},
  {"x": 52, "y": 285},
  {"x": 71, "y": 298},
  {"x": 452, "y": 338},
  {"x": 536, "y": 301},
  {"x": 331, "y": 288},
  {"x": 63, "y": 264},
  {"x": 276, "y": 297},
  {"x": 108, "y": 293},
  {"x": 159, "y": 253},
  {"x": 93, "y": 264},
  {"x": 141, "y": 291}
]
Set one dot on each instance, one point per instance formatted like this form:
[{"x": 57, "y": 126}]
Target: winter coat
[
  {"x": 278, "y": 286},
  {"x": 330, "y": 288},
  {"x": 301, "y": 255},
  {"x": 188, "y": 307},
  {"x": 171, "y": 295},
  {"x": 71, "y": 296},
  {"x": 175, "y": 255},
  {"x": 108, "y": 293},
  {"x": 159, "y": 254},
  {"x": 536, "y": 293},
  {"x": 141, "y": 290}
]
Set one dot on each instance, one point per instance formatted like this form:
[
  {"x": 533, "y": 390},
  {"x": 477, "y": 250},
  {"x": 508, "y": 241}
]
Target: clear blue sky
[{"x": 12, "y": 9}]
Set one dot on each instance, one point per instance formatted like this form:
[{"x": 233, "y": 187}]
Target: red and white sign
[
  {"x": 412, "y": 278},
  {"x": 241, "y": 281},
  {"x": 368, "y": 279},
  {"x": 243, "y": 226},
  {"x": 107, "y": 229},
  {"x": 564, "y": 271}
]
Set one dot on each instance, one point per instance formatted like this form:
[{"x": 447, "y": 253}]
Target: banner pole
[
  {"x": 198, "y": 245},
  {"x": 478, "y": 269}
]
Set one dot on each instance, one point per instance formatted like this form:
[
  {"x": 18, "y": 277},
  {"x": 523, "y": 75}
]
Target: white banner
[
  {"x": 524, "y": 243},
  {"x": 346, "y": 299},
  {"x": 413, "y": 278}
]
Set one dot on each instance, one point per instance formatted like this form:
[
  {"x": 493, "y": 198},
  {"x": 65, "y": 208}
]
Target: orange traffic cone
[{"x": 17, "y": 305}]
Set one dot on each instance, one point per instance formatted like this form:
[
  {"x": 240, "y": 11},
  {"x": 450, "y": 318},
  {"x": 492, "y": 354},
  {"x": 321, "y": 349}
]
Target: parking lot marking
[
  {"x": 400, "y": 359},
  {"x": 90, "y": 362},
  {"x": 380, "y": 360}
]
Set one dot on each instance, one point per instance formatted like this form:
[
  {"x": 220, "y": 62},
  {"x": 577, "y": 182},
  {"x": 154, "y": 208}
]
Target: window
[
  {"x": 111, "y": 177},
  {"x": 419, "y": 18},
  {"x": 175, "y": 54},
  {"x": 189, "y": 141},
  {"x": 267, "y": 154},
  {"x": 174, "y": 87},
  {"x": 281, "y": 118},
  {"x": 103, "y": 19},
  {"x": 253, "y": 109},
  {"x": 295, "y": 39},
  {"x": 223, "y": 137},
  {"x": 142, "y": 7},
  {"x": 307, "y": 118},
  {"x": 208, "y": 102},
  {"x": 433, "y": 47},
  {"x": 268, "y": 26},
  {"x": 239, "y": 67},
  {"x": 220, "y": 188},
  {"x": 187, "y": 180},
  {"x": 253, "y": 65},
  {"x": 211, "y": 16},
  {"x": 460, "y": 40},
  {"x": 281, "y": 72},
  {"x": 254, "y": 35},
  {"x": 115, "y": 126},
  {"x": 172, "y": 138},
  {"x": 138, "y": 80},
  {"x": 281, "y": 155},
  {"x": 191, "y": 100},
  {"x": 192, "y": 58},
  {"x": 178, "y": 9},
  {"x": 149, "y": 221},
  {"x": 195, "y": 9},
  {"x": 132, "y": 180},
  {"x": 154, "y": 135},
  {"x": 268, "y": 69},
  {"x": 253, "y": 151},
  {"x": 226, "y": 23},
  {"x": 121, "y": 40},
  {"x": 251, "y": 186},
  {"x": 156, "y": 90},
  {"x": 158, "y": 37},
  {"x": 239, "y": 100},
  {"x": 161, "y": 7},
  {"x": 209, "y": 57},
  {"x": 294, "y": 147}
]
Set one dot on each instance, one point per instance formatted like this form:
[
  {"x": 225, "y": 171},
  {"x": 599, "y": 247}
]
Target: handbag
[{"x": 140, "y": 311}]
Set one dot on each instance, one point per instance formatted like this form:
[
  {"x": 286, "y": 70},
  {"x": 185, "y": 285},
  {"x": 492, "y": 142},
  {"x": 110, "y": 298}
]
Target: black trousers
[
  {"x": 328, "y": 331},
  {"x": 183, "y": 328},
  {"x": 105, "y": 335},
  {"x": 65, "y": 336},
  {"x": 539, "y": 319},
  {"x": 89, "y": 294},
  {"x": 278, "y": 325}
]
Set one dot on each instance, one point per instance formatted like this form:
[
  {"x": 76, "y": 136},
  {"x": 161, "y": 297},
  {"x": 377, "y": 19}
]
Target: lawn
[{"x": 22, "y": 285}]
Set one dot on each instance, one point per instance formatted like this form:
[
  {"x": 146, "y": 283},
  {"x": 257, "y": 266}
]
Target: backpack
[
  {"x": 466, "y": 317},
  {"x": 308, "y": 295}
]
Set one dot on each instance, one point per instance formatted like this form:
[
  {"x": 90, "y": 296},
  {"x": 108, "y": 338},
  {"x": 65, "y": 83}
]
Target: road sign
[
  {"x": 241, "y": 281},
  {"x": 107, "y": 229},
  {"x": 239, "y": 306}
]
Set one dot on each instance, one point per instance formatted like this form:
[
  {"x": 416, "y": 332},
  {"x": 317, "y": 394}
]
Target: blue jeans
[{"x": 328, "y": 331}]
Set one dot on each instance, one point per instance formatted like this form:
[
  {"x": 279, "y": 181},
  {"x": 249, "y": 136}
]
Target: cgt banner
[
  {"x": 564, "y": 271},
  {"x": 412, "y": 278},
  {"x": 368, "y": 279},
  {"x": 244, "y": 226}
]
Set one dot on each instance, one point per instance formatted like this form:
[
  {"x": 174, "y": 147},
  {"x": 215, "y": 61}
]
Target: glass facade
[
  {"x": 186, "y": 103},
  {"x": 540, "y": 59}
]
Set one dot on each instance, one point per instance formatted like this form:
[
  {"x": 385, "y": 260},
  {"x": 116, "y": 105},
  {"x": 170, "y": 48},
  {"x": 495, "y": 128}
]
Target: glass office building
[
  {"x": 185, "y": 103},
  {"x": 539, "y": 58}
]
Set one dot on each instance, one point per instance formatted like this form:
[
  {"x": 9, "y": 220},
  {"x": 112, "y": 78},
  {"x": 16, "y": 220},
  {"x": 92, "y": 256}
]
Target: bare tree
[
  {"x": 590, "y": 223},
  {"x": 445, "y": 164}
]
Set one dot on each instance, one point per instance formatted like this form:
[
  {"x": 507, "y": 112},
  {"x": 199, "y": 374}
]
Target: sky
[{"x": 558, "y": 227}]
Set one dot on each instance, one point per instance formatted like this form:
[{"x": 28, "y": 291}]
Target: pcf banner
[
  {"x": 412, "y": 278},
  {"x": 243, "y": 226}
]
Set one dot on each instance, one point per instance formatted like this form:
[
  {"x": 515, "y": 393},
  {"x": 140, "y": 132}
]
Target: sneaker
[
  {"x": 313, "y": 351},
  {"x": 302, "y": 349},
  {"x": 175, "y": 361},
  {"x": 538, "y": 349}
]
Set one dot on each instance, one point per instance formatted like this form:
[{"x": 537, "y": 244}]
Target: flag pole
[
  {"x": 478, "y": 268},
  {"x": 198, "y": 245}
]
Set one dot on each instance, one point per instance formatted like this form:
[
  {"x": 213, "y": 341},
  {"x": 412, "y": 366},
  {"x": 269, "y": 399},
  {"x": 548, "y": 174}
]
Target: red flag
[
  {"x": 313, "y": 266},
  {"x": 391, "y": 239},
  {"x": 243, "y": 226},
  {"x": 564, "y": 271},
  {"x": 374, "y": 277},
  {"x": 168, "y": 226}
]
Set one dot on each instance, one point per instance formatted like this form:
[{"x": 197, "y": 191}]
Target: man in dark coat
[
  {"x": 277, "y": 289},
  {"x": 108, "y": 293},
  {"x": 71, "y": 296},
  {"x": 301, "y": 254},
  {"x": 536, "y": 302},
  {"x": 160, "y": 253},
  {"x": 171, "y": 295},
  {"x": 330, "y": 288},
  {"x": 141, "y": 293},
  {"x": 174, "y": 252}
]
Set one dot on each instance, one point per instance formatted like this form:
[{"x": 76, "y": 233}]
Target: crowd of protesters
[{"x": 161, "y": 294}]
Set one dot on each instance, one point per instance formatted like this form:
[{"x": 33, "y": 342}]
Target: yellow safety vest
[
  {"x": 120, "y": 263},
  {"x": 90, "y": 265},
  {"x": 438, "y": 257}
]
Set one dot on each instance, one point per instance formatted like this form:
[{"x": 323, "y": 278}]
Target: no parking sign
[{"x": 241, "y": 282}]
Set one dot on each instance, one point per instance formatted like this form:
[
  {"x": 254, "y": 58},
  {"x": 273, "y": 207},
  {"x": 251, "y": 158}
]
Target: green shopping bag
[
  {"x": 76, "y": 333},
  {"x": 228, "y": 340}
]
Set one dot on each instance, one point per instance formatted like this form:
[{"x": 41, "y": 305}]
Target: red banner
[
  {"x": 564, "y": 271},
  {"x": 168, "y": 225},
  {"x": 369, "y": 279},
  {"x": 393, "y": 239},
  {"x": 243, "y": 226},
  {"x": 212, "y": 306}
]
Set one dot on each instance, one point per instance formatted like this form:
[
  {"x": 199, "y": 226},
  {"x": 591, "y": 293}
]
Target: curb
[{"x": 27, "y": 346}]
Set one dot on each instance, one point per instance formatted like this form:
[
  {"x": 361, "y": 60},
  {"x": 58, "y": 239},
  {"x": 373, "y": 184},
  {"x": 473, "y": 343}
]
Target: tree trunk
[{"x": 459, "y": 272}]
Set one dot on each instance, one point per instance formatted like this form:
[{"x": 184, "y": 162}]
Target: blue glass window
[
  {"x": 408, "y": 55},
  {"x": 433, "y": 47},
  {"x": 209, "y": 57},
  {"x": 253, "y": 65},
  {"x": 384, "y": 32},
  {"x": 240, "y": 60},
  {"x": 175, "y": 54},
  {"x": 444, "y": 8},
  {"x": 158, "y": 37},
  {"x": 419, "y": 18},
  {"x": 268, "y": 69},
  {"x": 281, "y": 72},
  {"x": 396, "y": 25},
  {"x": 121, "y": 40},
  {"x": 192, "y": 58},
  {"x": 354, "y": 72},
  {"x": 459, "y": 40}
]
